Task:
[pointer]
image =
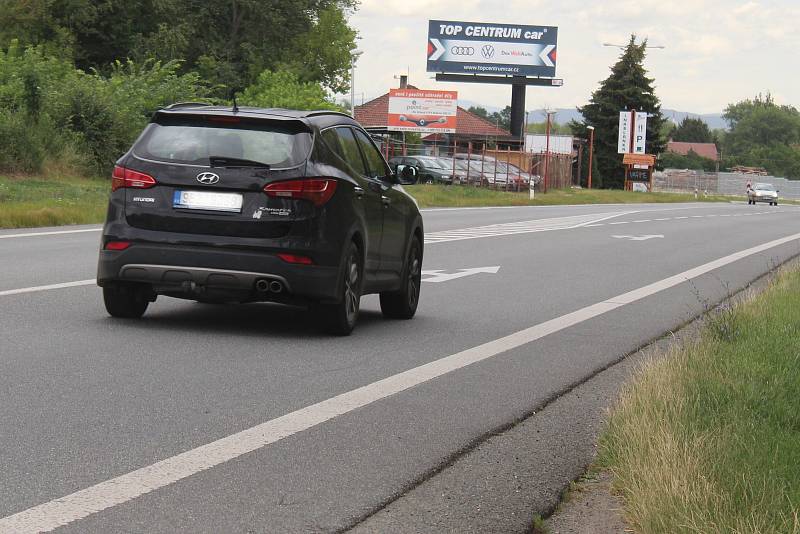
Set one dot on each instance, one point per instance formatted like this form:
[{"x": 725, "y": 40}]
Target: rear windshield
[{"x": 193, "y": 141}]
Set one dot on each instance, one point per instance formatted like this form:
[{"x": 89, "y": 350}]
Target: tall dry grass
[{"x": 707, "y": 438}]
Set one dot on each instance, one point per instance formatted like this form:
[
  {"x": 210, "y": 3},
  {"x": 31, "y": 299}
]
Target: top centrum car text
[{"x": 489, "y": 31}]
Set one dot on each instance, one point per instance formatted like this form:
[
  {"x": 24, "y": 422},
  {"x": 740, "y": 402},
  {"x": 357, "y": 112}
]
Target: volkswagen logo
[
  {"x": 487, "y": 51},
  {"x": 462, "y": 50},
  {"x": 207, "y": 178}
]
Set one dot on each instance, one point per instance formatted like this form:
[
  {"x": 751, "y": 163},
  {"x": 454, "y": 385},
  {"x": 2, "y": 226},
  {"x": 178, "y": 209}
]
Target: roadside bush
[
  {"x": 54, "y": 115},
  {"x": 285, "y": 90},
  {"x": 20, "y": 149}
]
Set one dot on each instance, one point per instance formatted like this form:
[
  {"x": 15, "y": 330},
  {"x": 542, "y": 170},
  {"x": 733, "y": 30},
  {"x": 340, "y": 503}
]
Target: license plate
[{"x": 205, "y": 200}]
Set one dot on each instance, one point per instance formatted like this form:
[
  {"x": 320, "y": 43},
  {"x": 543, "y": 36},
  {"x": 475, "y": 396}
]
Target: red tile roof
[
  {"x": 374, "y": 114},
  {"x": 706, "y": 150}
]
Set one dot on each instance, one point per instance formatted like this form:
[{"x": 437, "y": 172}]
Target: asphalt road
[{"x": 111, "y": 425}]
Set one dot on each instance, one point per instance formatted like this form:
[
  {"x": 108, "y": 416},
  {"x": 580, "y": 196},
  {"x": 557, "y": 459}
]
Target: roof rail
[
  {"x": 326, "y": 112},
  {"x": 179, "y": 105}
]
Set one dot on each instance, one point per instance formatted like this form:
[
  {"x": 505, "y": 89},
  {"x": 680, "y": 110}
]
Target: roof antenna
[{"x": 235, "y": 107}]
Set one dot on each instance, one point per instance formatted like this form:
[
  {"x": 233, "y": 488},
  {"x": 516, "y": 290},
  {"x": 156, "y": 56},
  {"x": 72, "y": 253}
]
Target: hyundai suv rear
[{"x": 218, "y": 204}]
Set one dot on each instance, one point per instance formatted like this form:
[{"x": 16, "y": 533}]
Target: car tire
[
  {"x": 403, "y": 304},
  {"x": 126, "y": 301},
  {"x": 339, "y": 318}
]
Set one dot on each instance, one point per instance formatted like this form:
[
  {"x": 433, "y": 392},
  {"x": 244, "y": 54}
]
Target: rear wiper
[{"x": 225, "y": 161}]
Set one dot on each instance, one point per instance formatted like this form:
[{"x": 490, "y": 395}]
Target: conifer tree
[{"x": 627, "y": 88}]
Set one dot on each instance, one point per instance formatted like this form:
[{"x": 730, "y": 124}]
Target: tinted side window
[
  {"x": 377, "y": 167},
  {"x": 350, "y": 149},
  {"x": 329, "y": 151}
]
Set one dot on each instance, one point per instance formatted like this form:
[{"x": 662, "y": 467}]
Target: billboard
[
  {"x": 424, "y": 111},
  {"x": 487, "y": 48}
]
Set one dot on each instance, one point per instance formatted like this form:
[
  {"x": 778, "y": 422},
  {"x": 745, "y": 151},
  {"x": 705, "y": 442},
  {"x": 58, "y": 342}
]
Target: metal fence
[
  {"x": 722, "y": 183},
  {"x": 504, "y": 169}
]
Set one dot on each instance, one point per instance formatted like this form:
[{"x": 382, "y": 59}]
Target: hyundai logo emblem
[{"x": 207, "y": 178}]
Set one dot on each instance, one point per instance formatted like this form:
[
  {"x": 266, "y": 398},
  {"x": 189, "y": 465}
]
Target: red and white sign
[{"x": 420, "y": 110}]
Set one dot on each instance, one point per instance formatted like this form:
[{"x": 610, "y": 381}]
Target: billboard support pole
[{"x": 517, "y": 106}]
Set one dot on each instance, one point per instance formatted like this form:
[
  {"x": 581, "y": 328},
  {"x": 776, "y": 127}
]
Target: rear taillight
[
  {"x": 296, "y": 259},
  {"x": 317, "y": 190},
  {"x": 117, "y": 245},
  {"x": 123, "y": 177}
]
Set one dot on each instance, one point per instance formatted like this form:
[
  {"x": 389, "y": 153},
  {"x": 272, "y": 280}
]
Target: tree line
[{"x": 80, "y": 78}]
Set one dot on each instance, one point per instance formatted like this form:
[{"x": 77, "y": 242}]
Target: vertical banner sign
[
  {"x": 424, "y": 111},
  {"x": 624, "y": 142},
  {"x": 640, "y": 133}
]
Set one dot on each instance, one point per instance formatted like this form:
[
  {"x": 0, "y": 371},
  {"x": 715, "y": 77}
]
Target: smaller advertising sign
[
  {"x": 624, "y": 141},
  {"x": 640, "y": 133},
  {"x": 424, "y": 111}
]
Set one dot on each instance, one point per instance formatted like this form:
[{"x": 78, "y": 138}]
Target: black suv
[{"x": 220, "y": 204}]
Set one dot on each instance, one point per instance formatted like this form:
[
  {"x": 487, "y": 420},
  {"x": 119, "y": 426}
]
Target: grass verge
[
  {"x": 31, "y": 201},
  {"x": 708, "y": 438},
  {"x": 436, "y": 196}
]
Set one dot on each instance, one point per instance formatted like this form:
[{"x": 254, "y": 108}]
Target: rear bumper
[{"x": 173, "y": 269}]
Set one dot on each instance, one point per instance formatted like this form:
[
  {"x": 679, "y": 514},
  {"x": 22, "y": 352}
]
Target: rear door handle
[
  {"x": 386, "y": 200},
  {"x": 358, "y": 191}
]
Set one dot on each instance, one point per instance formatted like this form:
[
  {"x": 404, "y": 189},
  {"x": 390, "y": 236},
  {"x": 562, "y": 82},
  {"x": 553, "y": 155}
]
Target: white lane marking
[
  {"x": 54, "y": 232},
  {"x": 620, "y": 222},
  {"x": 642, "y": 220},
  {"x": 594, "y": 225},
  {"x": 663, "y": 219},
  {"x": 638, "y": 237},
  {"x": 684, "y": 217},
  {"x": 88, "y": 501},
  {"x": 34, "y": 289},
  {"x": 438, "y": 275},
  {"x": 522, "y": 227}
]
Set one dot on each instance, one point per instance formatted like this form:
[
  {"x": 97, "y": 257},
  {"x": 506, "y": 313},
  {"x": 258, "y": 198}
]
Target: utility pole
[
  {"x": 547, "y": 152},
  {"x": 353, "y": 57},
  {"x": 591, "y": 153}
]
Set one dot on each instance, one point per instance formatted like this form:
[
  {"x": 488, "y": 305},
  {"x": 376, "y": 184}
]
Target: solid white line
[
  {"x": 34, "y": 289},
  {"x": 124, "y": 488},
  {"x": 54, "y": 232}
]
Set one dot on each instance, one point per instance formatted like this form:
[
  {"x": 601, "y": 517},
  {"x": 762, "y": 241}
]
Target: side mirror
[{"x": 406, "y": 174}]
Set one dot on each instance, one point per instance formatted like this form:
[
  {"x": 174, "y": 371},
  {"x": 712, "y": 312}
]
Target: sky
[{"x": 716, "y": 51}]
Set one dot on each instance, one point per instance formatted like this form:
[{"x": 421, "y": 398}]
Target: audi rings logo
[
  {"x": 207, "y": 178},
  {"x": 462, "y": 51},
  {"x": 487, "y": 51}
]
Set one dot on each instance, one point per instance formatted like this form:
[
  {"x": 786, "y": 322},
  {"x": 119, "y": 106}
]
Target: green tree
[
  {"x": 628, "y": 87},
  {"x": 229, "y": 43},
  {"x": 479, "y": 111},
  {"x": 502, "y": 118},
  {"x": 763, "y": 134},
  {"x": 692, "y": 131},
  {"x": 285, "y": 90},
  {"x": 692, "y": 160}
]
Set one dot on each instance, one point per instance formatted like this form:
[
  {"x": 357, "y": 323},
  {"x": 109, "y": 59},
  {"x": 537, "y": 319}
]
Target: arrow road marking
[
  {"x": 638, "y": 237},
  {"x": 438, "y": 275}
]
